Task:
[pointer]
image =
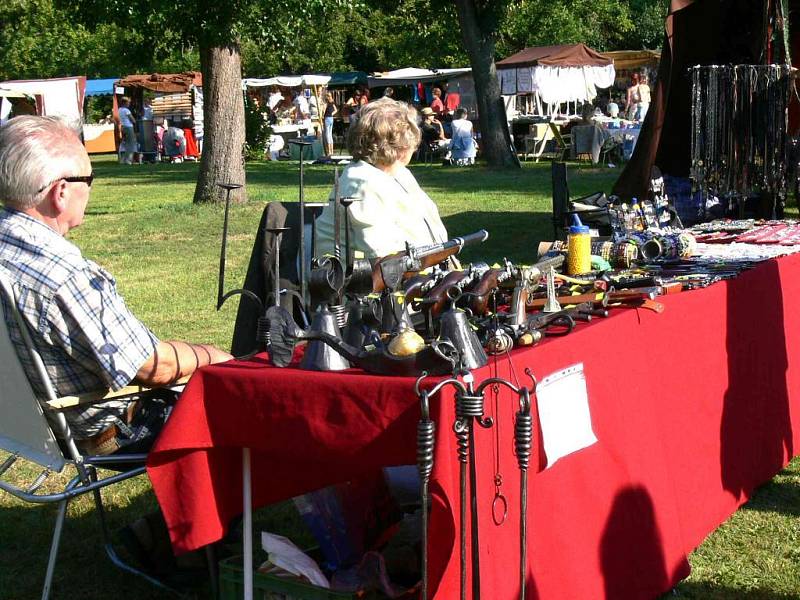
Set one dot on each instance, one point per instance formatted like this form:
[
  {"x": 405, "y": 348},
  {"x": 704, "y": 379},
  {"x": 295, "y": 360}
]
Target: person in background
[
  {"x": 612, "y": 108},
  {"x": 391, "y": 208},
  {"x": 436, "y": 104},
  {"x": 433, "y": 132},
  {"x": 126, "y": 132},
  {"x": 632, "y": 98},
  {"x": 147, "y": 110},
  {"x": 274, "y": 99},
  {"x": 452, "y": 101},
  {"x": 463, "y": 148},
  {"x": 301, "y": 109},
  {"x": 644, "y": 99},
  {"x": 351, "y": 105},
  {"x": 388, "y": 92},
  {"x": 364, "y": 98},
  {"x": 329, "y": 114}
]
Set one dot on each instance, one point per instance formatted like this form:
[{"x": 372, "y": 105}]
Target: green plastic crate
[{"x": 270, "y": 587}]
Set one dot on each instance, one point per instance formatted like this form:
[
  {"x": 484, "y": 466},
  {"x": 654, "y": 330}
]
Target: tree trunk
[
  {"x": 223, "y": 115},
  {"x": 477, "y": 33}
]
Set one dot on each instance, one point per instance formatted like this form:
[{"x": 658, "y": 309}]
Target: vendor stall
[
  {"x": 285, "y": 127},
  {"x": 177, "y": 99},
  {"x": 715, "y": 51},
  {"x": 668, "y": 460},
  {"x": 545, "y": 476},
  {"x": 61, "y": 97},
  {"x": 546, "y": 77},
  {"x": 452, "y": 81}
]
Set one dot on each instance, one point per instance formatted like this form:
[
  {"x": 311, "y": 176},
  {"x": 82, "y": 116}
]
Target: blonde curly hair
[{"x": 383, "y": 131}]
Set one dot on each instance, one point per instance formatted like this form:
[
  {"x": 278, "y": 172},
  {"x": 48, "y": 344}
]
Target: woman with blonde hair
[
  {"x": 330, "y": 113},
  {"x": 389, "y": 207}
]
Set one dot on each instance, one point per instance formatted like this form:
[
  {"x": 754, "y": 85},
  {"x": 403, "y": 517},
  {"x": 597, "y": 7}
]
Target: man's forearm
[{"x": 173, "y": 360}]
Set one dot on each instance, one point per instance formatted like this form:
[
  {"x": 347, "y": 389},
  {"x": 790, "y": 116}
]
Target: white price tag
[{"x": 564, "y": 413}]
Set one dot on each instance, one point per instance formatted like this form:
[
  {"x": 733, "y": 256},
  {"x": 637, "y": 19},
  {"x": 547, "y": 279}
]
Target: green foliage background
[{"x": 109, "y": 38}]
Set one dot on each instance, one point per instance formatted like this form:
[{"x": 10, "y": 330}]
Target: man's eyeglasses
[{"x": 87, "y": 179}]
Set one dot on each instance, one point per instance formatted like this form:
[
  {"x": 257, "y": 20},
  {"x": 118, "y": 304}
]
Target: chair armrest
[{"x": 101, "y": 396}]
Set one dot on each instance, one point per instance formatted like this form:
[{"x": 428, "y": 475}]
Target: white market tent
[
  {"x": 314, "y": 82},
  {"x": 412, "y": 75},
  {"x": 291, "y": 81},
  {"x": 61, "y": 97},
  {"x": 556, "y": 74}
]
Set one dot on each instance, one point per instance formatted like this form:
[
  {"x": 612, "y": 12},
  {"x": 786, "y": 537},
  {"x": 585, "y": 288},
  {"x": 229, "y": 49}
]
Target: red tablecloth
[{"x": 692, "y": 409}]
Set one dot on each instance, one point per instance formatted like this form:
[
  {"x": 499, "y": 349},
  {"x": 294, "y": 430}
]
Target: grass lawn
[{"x": 142, "y": 226}]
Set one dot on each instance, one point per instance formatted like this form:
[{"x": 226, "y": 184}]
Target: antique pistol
[
  {"x": 481, "y": 292},
  {"x": 449, "y": 287},
  {"x": 389, "y": 271}
]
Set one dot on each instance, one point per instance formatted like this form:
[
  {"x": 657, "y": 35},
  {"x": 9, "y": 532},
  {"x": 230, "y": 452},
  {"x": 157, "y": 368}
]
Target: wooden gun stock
[
  {"x": 481, "y": 291},
  {"x": 436, "y": 300}
]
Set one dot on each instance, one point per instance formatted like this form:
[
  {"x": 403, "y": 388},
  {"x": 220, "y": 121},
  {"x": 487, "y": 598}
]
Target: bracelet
[
  {"x": 177, "y": 361},
  {"x": 196, "y": 357}
]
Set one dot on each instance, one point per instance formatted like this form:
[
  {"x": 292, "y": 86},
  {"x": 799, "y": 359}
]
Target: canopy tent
[
  {"x": 556, "y": 74},
  {"x": 344, "y": 78},
  {"x": 100, "y": 87},
  {"x": 167, "y": 84},
  {"x": 628, "y": 60},
  {"x": 412, "y": 75},
  {"x": 291, "y": 81},
  {"x": 61, "y": 97}
]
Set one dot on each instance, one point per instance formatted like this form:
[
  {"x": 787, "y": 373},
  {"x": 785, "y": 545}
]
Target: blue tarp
[{"x": 100, "y": 87}]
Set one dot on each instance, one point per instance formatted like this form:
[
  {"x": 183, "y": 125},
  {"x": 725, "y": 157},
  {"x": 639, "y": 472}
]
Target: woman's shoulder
[{"x": 360, "y": 176}]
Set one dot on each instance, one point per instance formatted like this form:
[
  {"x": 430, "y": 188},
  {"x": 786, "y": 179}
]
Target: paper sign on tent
[{"x": 564, "y": 413}]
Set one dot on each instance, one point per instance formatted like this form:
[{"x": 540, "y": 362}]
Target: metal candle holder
[{"x": 469, "y": 408}]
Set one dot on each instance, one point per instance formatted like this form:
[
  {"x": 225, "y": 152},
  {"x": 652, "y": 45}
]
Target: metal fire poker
[
  {"x": 221, "y": 295},
  {"x": 469, "y": 406},
  {"x": 303, "y": 283}
]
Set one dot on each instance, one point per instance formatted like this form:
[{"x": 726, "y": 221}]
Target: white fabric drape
[{"x": 556, "y": 85}]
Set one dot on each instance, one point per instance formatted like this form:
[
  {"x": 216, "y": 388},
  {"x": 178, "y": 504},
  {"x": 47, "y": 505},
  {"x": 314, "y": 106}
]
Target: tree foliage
[
  {"x": 108, "y": 38},
  {"x": 601, "y": 24}
]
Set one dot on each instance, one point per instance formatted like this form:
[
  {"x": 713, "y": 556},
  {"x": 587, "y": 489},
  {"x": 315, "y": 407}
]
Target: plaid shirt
[{"x": 88, "y": 338}]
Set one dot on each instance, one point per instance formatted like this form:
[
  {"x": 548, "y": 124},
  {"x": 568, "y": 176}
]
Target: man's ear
[{"x": 57, "y": 197}]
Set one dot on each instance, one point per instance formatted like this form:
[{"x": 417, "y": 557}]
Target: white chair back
[{"x": 23, "y": 427}]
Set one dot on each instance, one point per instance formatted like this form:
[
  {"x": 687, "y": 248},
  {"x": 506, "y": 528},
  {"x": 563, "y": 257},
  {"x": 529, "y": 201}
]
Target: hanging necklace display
[{"x": 739, "y": 130}]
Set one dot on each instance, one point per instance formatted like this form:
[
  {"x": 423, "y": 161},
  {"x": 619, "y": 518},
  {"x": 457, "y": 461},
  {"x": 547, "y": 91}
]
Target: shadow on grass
[
  {"x": 27, "y": 530},
  {"x": 707, "y": 591},
  {"x": 512, "y": 235},
  {"x": 83, "y": 569},
  {"x": 780, "y": 497}
]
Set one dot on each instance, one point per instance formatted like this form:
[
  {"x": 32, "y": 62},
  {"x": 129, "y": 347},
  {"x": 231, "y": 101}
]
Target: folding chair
[
  {"x": 564, "y": 207},
  {"x": 563, "y": 142},
  {"x": 26, "y": 434}
]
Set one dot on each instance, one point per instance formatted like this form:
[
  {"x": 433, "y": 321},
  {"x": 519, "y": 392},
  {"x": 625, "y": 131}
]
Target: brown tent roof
[
  {"x": 568, "y": 55},
  {"x": 169, "y": 84}
]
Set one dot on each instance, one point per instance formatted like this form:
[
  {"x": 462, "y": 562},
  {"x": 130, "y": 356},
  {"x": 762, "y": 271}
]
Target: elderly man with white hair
[{"x": 88, "y": 338}]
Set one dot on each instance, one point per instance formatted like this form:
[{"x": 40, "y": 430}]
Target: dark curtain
[{"x": 697, "y": 32}]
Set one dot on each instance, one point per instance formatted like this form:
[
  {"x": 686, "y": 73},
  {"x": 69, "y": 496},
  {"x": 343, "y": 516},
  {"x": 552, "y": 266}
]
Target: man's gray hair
[{"x": 35, "y": 152}]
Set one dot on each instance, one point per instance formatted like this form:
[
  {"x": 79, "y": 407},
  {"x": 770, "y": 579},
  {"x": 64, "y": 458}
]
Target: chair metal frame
[
  {"x": 562, "y": 202},
  {"x": 50, "y": 456}
]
